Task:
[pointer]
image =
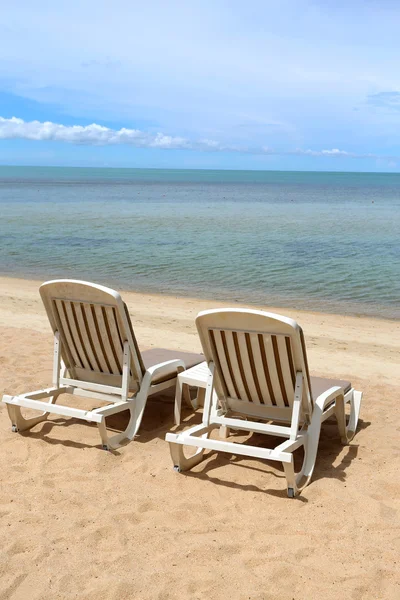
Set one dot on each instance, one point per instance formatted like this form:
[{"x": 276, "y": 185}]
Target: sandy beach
[{"x": 78, "y": 522}]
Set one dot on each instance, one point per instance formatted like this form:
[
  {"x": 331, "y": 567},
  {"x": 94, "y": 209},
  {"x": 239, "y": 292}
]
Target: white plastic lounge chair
[
  {"x": 259, "y": 382},
  {"x": 96, "y": 355}
]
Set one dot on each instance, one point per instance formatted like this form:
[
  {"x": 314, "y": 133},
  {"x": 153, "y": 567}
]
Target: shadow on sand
[{"x": 158, "y": 420}]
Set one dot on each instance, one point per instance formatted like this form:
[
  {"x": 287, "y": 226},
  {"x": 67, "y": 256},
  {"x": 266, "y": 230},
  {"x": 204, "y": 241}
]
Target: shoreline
[
  {"x": 223, "y": 301},
  {"x": 338, "y": 345}
]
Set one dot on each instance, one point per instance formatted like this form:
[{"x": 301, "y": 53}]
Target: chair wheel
[
  {"x": 177, "y": 468},
  {"x": 14, "y": 428},
  {"x": 105, "y": 447},
  {"x": 290, "y": 492}
]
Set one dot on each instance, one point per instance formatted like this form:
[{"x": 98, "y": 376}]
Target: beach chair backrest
[
  {"x": 93, "y": 324},
  {"x": 256, "y": 356}
]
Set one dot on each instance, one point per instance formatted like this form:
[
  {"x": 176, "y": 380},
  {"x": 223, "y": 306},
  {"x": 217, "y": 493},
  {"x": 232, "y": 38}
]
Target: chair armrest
[
  {"x": 327, "y": 396},
  {"x": 165, "y": 368}
]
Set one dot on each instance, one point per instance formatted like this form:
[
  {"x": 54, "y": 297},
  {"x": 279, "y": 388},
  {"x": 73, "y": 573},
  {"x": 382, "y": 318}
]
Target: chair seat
[
  {"x": 319, "y": 385},
  {"x": 155, "y": 356}
]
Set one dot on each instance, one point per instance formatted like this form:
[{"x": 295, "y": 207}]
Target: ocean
[{"x": 316, "y": 241}]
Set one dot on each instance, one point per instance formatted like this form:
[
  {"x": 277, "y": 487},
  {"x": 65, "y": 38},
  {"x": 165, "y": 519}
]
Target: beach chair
[
  {"x": 259, "y": 383},
  {"x": 96, "y": 355}
]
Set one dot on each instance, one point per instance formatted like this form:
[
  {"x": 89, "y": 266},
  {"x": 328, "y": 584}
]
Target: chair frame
[
  {"x": 121, "y": 397},
  {"x": 300, "y": 430}
]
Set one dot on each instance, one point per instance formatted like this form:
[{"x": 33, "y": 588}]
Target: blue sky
[{"x": 292, "y": 84}]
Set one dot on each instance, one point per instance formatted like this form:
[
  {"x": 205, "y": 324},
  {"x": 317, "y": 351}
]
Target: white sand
[{"x": 77, "y": 522}]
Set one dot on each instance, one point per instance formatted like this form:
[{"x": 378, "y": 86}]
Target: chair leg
[
  {"x": 112, "y": 442},
  {"x": 20, "y": 423},
  {"x": 347, "y": 431},
  {"x": 178, "y": 401},
  {"x": 182, "y": 462},
  {"x": 292, "y": 490},
  {"x": 224, "y": 432},
  {"x": 186, "y": 395},
  {"x": 105, "y": 440},
  {"x": 201, "y": 394},
  {"x": 136, "y": 408},
  {"x": 297, "y": 482}
]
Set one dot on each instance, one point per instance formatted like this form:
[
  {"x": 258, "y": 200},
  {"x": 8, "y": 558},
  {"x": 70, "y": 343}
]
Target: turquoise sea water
[{"x": 323, "y": 241}]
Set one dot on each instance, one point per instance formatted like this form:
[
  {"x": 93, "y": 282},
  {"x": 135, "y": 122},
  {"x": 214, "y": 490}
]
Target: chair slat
[
  {"x": 269, "y": 353},
  {"x": 221, "y": 358},
  {"x": 285, "y": 365},
  {"x": 66, "y": 332},
  {"x": 291, "y": 359},
  {"x": 74, "y": 328},
  {"x": 235, "y": 365},
  {"x": 97, "y": 344},
  {"x": 86, "y": 336},
  {"x": 247, "y": 367},
  {"x": 279, "y": 359},
  {"x": 116, "y": 342},
  {"x": 108, "y": 353},
  {"x": 260, "y": 370}
]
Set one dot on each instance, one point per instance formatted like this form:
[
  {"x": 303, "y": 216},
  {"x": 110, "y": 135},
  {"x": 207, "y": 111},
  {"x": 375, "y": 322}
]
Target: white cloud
[
  {"x": 98, "y": 135},
  {"x": 92, "y": 135},
  {"x": 333, "y": 152},
  {"x": 340, "y": 153}
]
